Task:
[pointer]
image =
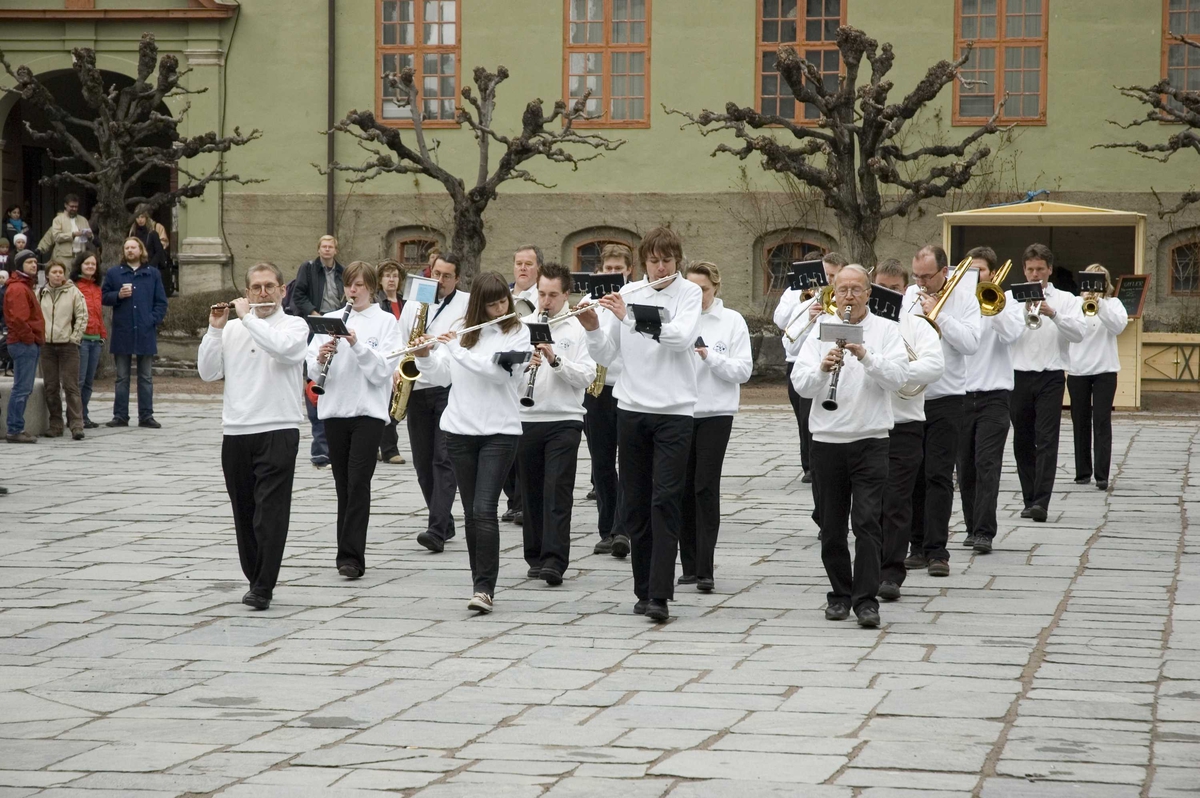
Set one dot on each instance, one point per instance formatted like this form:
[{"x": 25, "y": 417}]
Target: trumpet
[
  {"x": 991, "y": 294},
  {"x": 1033, "y": 319},
  {"x": 830, "y": 402},
  {"x": 828, "y": 303},
  {"x": 527, "y": 399},
  {"x": 1091, "y": 303},
  {"x": 319, "y": 386}
]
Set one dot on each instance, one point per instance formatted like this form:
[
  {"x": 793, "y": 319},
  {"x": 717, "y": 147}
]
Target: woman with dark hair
[
  {"x": 482, "y": 418},
  {"x": 391, "y": 277},
  {"x": 14, "y": 225},
  {"x": 88, "y": 277}
]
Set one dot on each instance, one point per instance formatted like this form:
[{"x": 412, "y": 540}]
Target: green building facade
[{"x": 267, "y": 64}]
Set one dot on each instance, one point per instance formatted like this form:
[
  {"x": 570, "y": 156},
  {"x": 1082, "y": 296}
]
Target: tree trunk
[
  {"x": 468, "y": 241},
  {"x": 857, "y": 241}
]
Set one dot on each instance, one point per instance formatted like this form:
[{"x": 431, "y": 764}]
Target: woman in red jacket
[
  {"x": 26, "y": 334},
  {"x": 88, "y": 278}
]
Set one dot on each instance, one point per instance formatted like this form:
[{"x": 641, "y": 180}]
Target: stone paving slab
[{"x": 1063, "y": 665}]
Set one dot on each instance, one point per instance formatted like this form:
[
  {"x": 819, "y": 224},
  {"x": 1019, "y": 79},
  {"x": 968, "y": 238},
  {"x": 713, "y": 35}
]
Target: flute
[
  {"x": 228, "y": 305},
  {"x": 415, "y": 347},
  {"x": 582, "y": 308}
]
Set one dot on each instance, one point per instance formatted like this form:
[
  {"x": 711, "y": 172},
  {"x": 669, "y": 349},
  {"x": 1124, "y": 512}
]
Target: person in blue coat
[{"x": 139, "y": 302}]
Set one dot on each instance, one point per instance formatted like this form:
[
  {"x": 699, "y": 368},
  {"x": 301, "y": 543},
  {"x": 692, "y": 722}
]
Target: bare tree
[
  {"x": 1172, "y": 105},
  {"x": 534, "y": 140},
  {"x": 124, "y": 138},
  {"x": 851, "y": 154}
]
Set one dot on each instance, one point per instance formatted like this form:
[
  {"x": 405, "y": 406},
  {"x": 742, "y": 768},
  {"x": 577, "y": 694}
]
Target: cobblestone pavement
[{"x": 1066, "y": 663}]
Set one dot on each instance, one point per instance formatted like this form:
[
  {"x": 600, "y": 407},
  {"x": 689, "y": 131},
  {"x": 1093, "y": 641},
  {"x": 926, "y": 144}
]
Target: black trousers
[
  {"x": 512, "y": 490},
  {"x": 546, "y": 459},
  {"x": 904, "y": 468},
  {"x": 654, "y": 455},
  {"x": 1036, "y": 410},
  {"x": 852, "y": 478},
  {"x": 352, "y": 446},
  {"x": 933, "y": 495},
  {"x": 980, "y": 455},
  {"x": 600, "y": 426},
  {"x": 702, "y": 495},
  {"x": 435, "y": 474},
  {"x": 800, "y": 408},
  {"x": 389, "y": 439},
  {"x": 1091, "y": 418},
  {"x": 259, "y": 469},
  {"x": 481, "y": 463}
]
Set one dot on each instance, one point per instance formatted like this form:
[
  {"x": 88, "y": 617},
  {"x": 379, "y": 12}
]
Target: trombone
[
  {"x": 991, "y": 294},
  {"x": 959, "y": 272},
  {"x": 828, "y": 304}
]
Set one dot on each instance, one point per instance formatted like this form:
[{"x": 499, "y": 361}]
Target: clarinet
[
  {"x": 830, "y": 402},
  {"x": 527, "y": 399},
  {"x": 319, "y": 386}
]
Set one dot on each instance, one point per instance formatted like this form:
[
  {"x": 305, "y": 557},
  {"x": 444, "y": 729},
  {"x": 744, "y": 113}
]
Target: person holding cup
[{"x": 136, "y": 294}]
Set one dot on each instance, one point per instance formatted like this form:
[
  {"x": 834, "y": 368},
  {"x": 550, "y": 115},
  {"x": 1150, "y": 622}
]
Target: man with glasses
[
  {"x": 960, "y": 322},
  {"x": 851, "y": 442}
]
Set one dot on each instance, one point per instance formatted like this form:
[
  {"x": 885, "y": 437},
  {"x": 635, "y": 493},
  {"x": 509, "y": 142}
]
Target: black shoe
[
  {"x": 888, "y": 591},
  {"x": 535, "y": 572},
  {"x": 350, "y": 571},
  {"x": 90, "y": 425},
  {"x": 837, "y": 612},
  {"x": 657, "y": 610},
  {"x": 603, "y": 546},
  {"x": 969, "y": 541},
  {"x": 77, "y": 435},
  {"x": 1027, "y": 512},
  {"x": 705, "y": 585},
  {"x": 552, "y": 576},
  {"x": 1102, "y": 484},
  {"x": 983, "y": 545},
  {"x": 518, "y": 518},
  {"x": 1038, "y": 513},
  {"x": 431, "y": 542},
  {"x": 1082, "y": 480},
  {"x": 508, "y": 515},
  {"x": 915, "y": 562},
  {"x": 116, "y": 422},
  {"x": 150, "y": 423},
  {"x": 806, "y": 478},
  {"x": 620, "y": 546},
  {"x": 868, "y": 618},
  {"x": 591, "y": 496},
  {"x": 686, "y": 579},
  {"x": 256, "y": 600},
  {"x": 640, "y": 607}
]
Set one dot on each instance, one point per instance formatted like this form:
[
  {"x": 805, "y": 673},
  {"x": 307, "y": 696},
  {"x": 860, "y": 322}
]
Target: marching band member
[
  {"x": 600, "y": 426},
  {"x": 656, "y": 396},
  {"x": 933, "y": 497},
  {"x": 354, "y": 407},
  {"x": 725, "y": 363},
  {"x": 482, "y": 421},
  {"x": 906, "y": 437},
  {"x": 985, "y": 413},
  {"x": 1092, "y": 382},
  {"x": 785, "y": 311},
  {"x": 1040, "y": 356},
  {"x": 527, "y": 264},
  {"x": 851, "y": 443},
  {"x": 435, "y": 474},
  {"x": 260, "y": 355},
  {"x": 551, "y": 428}
]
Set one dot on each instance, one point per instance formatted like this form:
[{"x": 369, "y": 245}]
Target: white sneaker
[{"x": 480, "y": 602}]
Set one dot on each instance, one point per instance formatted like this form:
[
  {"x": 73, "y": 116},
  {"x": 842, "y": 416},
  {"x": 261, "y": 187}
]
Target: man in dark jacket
[
  {"x": 26, "y": 334},
  {"x": 139, "y": 301},
  {"x": 318, "y": 290}
]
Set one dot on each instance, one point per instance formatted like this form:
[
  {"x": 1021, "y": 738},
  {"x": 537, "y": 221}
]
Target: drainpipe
[{"x": 330, "y": 119}]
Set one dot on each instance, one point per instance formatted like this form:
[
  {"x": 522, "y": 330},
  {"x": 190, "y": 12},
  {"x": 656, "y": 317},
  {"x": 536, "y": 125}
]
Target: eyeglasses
[{"x": 850, "y": 291}]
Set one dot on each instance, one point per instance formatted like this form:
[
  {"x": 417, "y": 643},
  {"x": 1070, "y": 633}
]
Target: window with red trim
[
  {"x": 606, "y": 49},
  {"x": 424, "y": 35},
  {"x": 1009, "y": 57},
  {"x": 811, "y": 27},
  {"x": 779, "y": 258}
]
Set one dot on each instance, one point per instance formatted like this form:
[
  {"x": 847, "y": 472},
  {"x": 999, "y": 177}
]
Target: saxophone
[
  {"x": 597, "y": 386},
  {"x": 408, "y": 368}
]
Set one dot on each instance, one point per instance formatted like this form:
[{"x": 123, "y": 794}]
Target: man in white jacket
[
  {"x": 850, "y": 442},
  {"x": 260, "y": 355},
  {"x": 551, "y": 429},
  {"x": 656, "y": 399}
]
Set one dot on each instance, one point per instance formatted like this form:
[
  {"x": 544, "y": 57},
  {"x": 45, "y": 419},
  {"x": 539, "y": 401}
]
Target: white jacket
[
  {"x": 484, "y": 398},
  {"x": 926, "y": 369},
  {"x": 1097, "y": 352},
  {"x": 719, "y": 377},
  {"x": 443, "y": 317},
  {"x": 864, "y": 405},
  {"x": 261, "y": 361},
  {"x": 1047, "y": 348},
  {"x": 785, "y": 311},
  {"x": 657, "y": 377},
  {"x": 960, "y": 322},
  {"x": 360, "y": 377},
  {"x": 990, "y": 368},
  {"x": 558, "y": 392}
]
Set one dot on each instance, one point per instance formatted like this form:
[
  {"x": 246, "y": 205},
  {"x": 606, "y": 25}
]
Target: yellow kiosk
[{"x": 1079, "y": 236}]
